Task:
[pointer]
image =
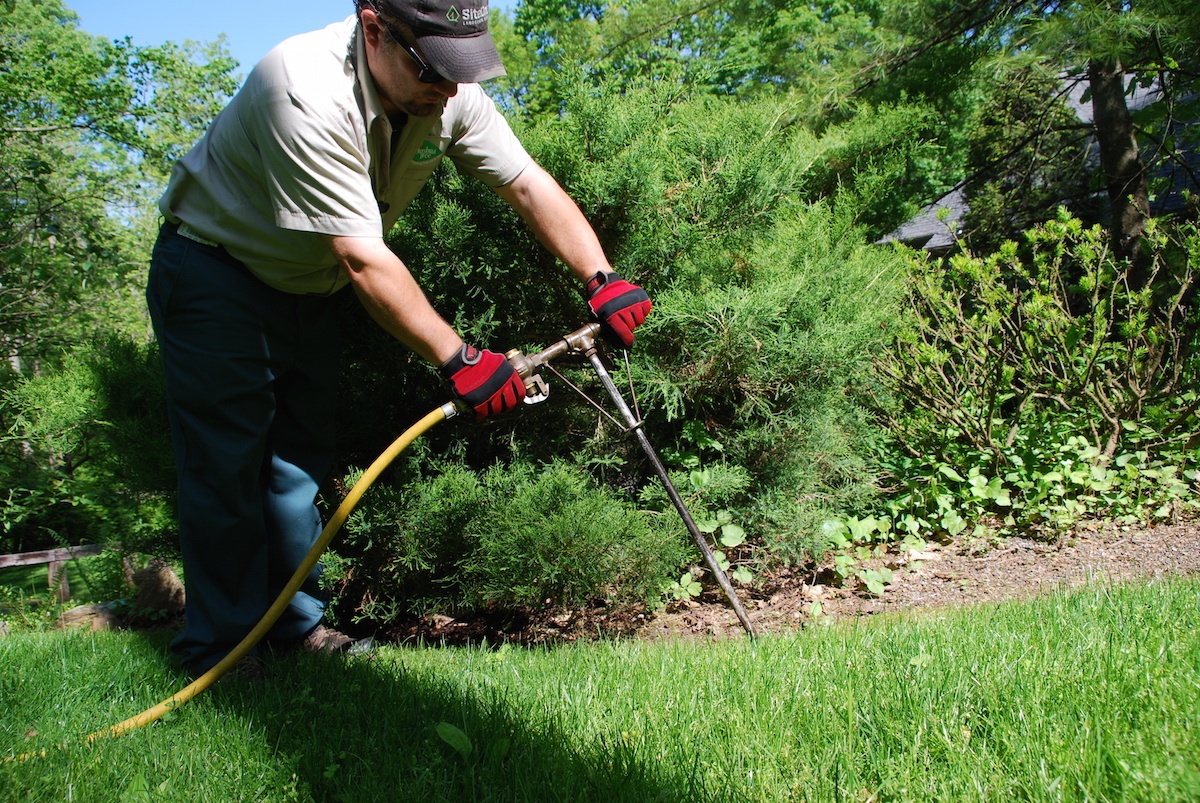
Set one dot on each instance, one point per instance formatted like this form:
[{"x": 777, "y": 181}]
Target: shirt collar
[{"x": 368, "y": 96}]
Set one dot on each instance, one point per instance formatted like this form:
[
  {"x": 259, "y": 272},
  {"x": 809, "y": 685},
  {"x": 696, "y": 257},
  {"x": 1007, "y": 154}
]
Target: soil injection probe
[{"x": 583, "y": 341}]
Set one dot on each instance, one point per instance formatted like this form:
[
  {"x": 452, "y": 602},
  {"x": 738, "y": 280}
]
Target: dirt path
[{"x": 959, "y": 573}]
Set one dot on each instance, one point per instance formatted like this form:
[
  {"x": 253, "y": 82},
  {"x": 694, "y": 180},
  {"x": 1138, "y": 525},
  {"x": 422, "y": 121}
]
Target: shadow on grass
[{"x": 366, "y": 729}]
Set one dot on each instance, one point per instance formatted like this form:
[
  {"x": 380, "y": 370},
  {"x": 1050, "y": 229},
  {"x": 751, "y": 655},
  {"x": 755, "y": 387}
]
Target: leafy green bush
[
  {"x": 512, "y": 537},
  {"x": 1037, "y": 386},
  {"x": 1012, "y": 338},
  {"x": 553, "y": 535},
  {"x": 23, "y": 611},
  {"x": 87, "y": 458}
]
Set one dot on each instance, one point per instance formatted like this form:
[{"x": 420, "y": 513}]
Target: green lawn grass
[{"x": 1093, "y": 695}]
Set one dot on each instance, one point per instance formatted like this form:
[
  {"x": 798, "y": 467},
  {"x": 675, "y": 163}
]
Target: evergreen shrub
[
  {"x": 87, "y": 455},
  {"x": 522, "y": 536},
  {"x": 778, "y": 365},
  {"x": 769, "y": 305}
]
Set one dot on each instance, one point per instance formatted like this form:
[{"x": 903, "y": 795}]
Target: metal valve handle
[{"x": 581, "y": 341}]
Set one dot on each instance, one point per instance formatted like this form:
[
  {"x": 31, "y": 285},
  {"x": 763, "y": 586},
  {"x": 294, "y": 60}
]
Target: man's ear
[{"x": 372, "y": 28}]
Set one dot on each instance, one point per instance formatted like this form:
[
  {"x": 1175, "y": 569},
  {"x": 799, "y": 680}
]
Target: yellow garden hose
[{"x": 252, "y": 638}]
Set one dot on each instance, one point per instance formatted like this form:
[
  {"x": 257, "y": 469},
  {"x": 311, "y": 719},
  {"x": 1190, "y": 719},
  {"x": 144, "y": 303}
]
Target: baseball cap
[{"x": 453, "y": 36}]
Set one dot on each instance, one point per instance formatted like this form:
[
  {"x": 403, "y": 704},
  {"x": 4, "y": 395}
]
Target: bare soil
[{"x": 963, "y": 572}]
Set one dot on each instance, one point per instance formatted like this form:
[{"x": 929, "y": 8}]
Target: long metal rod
[{"x": 636, "y": 427}]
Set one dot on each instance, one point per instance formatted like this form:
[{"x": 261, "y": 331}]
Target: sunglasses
[{"x": 425, "y": 73}]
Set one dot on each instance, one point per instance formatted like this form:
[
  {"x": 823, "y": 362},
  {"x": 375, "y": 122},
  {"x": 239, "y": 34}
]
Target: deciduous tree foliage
[
  {"x": 1098, "y": 52},
  {"x": 999, "y": 73},
  {"x": 88, "y": 130}
]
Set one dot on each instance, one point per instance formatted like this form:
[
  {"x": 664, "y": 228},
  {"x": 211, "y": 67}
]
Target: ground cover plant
[{"x": 1083, "y": 696}]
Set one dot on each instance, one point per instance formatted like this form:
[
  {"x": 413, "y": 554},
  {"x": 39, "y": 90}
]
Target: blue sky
[{"x": 251, "y": 27}]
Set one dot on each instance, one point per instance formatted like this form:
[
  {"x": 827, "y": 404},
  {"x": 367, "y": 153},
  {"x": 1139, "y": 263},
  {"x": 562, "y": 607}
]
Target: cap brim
[{"x": 463, "y": 59}]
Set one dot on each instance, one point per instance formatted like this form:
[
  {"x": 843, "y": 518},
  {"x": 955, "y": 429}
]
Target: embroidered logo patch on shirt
[{"x": 427, "y": 151}]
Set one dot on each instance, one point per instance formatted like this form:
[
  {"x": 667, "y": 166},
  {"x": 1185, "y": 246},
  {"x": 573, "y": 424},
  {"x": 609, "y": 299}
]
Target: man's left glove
[
  {"x": 484, "y": 380},
  {"x": 619, "y": 306}
]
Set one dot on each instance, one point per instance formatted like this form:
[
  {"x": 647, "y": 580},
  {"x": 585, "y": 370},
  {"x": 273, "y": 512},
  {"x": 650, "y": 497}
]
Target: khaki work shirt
[{"x": 304, "y": 149}]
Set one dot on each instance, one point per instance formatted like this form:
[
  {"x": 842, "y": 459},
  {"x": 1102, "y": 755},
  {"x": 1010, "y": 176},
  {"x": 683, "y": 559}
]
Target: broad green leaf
[
  {"x": 831, "y": 527},
  {"x": 861, "y": 529},
  {"x": 951, "y": 473},
  {"x": 953, "y": 523},
  {"x": 732, "y": 535},
  {"x": 721, "y": 559},
  {"x": 455, "y": 738}
]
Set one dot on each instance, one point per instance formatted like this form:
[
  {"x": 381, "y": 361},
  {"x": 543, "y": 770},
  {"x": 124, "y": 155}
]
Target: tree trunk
[{"x": 1124, "y": 171}]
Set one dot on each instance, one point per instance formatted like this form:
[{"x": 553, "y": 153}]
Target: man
[{"x": 285, "y": 201}]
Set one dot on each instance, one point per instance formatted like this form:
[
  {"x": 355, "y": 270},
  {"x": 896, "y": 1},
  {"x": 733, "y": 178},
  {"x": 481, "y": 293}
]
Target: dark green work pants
[{"x": 250, "y": 376}]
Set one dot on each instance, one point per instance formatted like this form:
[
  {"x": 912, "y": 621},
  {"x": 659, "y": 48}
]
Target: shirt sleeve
[
  {"x": 316, "y": 164},
  {"x": 482, "y": 142}
]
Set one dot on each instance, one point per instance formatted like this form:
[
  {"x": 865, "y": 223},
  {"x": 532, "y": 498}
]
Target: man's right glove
[
  {"x": 484, "y": 380},
  {"x": 619, "y": 306}
]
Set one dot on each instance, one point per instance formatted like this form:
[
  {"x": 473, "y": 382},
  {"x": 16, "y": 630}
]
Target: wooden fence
[{"x": 56, "y": 558}]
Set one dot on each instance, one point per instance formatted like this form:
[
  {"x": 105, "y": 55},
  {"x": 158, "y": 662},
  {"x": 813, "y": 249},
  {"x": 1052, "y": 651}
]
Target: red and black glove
[
  {"x": 619, "y": 306},
  {"x": 484, "y": 380}
]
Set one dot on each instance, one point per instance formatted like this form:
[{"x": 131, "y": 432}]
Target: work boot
[
  {"x": 249, "y": 669},
  {"x": 326, "y": 639}
]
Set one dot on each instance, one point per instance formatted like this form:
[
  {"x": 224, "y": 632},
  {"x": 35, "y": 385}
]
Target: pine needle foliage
[
  {"x": 522, "y": 536},
  {"x": 746, "y": 227}
]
